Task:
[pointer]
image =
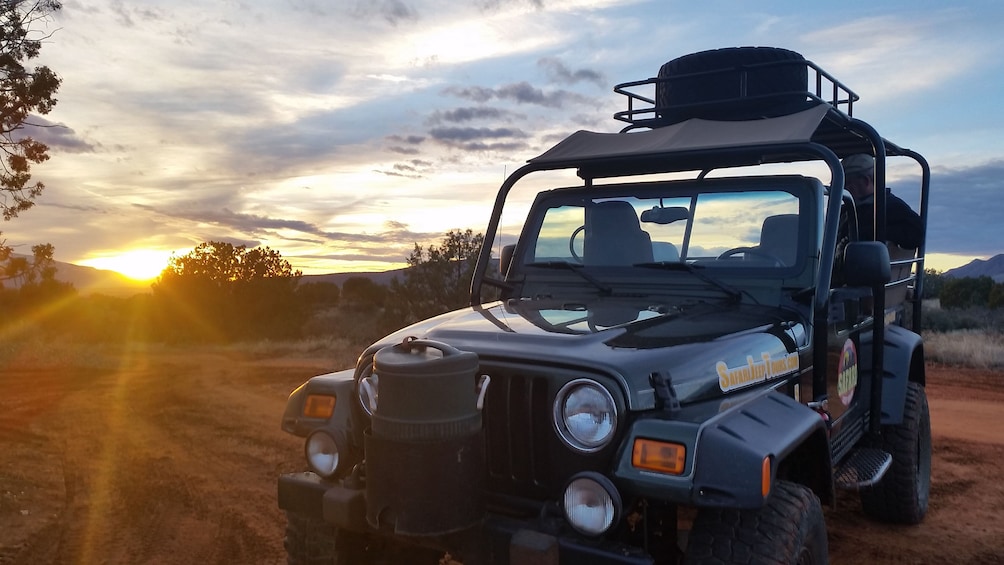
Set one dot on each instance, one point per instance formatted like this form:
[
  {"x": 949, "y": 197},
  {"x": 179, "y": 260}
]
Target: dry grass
[
  {"x": 35, "y": 351},
  {"x": 968, "y": 348}
]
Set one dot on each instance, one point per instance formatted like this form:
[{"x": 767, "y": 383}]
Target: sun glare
[{"x": 139, "y": 264}]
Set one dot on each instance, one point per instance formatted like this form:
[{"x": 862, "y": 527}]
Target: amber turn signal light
[
  {"x": 318, "y": 406},
  {"x": 659, "y": 456}
]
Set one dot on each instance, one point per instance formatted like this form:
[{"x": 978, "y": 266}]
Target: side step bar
[{"x": 864, "y": 467}]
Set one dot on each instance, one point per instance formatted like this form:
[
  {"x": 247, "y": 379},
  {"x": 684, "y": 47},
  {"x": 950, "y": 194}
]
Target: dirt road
[{"x": 170, "y": 459}]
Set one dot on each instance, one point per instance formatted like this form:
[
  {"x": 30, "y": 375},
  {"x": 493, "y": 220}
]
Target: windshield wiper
[
  {"x": 577, "y": 269},
  {"x": 734, "y": 293}
]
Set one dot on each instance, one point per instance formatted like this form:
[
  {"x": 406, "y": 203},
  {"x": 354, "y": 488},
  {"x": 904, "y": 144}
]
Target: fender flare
[
  {"x": 340, "y": 385},
  {"x": 731, "y": 450},
  {"x": 902, "y": 362}
]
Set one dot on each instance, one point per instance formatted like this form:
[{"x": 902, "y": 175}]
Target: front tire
[
  {"x": 313, "y": 542},
  {"x": 901, "y": 497},
  {"x": 788, "y": 530}
]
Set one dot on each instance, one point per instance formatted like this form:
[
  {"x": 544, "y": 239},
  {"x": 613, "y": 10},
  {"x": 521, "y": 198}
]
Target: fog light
[
  {"x": 323, "y": 454},
  {"x": 591, "y": 504}
]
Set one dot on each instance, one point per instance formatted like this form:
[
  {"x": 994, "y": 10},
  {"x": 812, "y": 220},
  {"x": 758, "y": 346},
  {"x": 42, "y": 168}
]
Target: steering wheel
[
  {"x": 751, "y": 251},
  {"x": 571, "y": 242}
]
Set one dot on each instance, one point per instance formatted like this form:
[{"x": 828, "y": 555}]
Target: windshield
[{"x": 709, "y": 224}]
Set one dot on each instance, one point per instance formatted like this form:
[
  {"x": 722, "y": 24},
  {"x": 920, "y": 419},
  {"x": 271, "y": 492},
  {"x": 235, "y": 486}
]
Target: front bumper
[{"x": 497, "y": 539}]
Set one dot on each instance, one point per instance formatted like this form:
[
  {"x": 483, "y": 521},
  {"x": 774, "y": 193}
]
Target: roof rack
[{"x": 724, "y": 93}]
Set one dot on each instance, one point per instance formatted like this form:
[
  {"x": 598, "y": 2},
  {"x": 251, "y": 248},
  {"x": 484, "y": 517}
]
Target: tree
[
  {"x": 318, "y": 294},
  {"x": 23, "y": 92},
  {"x": 361, "y": 293},
  {"x": 933, "y": 281},
  {"x": 29, "y": 289},
  {"x": 996, "y": 299},
  {"x": 22, "y": 271},
  {"x": 438, "y": 279},
  {"x": 221, "y": 291},
  {"x": 966, "y": 292}
]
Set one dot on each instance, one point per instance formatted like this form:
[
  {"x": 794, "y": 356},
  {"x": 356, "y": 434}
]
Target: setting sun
[{"x": 139, "y": 264}]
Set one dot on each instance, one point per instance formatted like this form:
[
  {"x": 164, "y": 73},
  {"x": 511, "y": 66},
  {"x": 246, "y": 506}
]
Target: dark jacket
[{"x": 903, "y": 225}]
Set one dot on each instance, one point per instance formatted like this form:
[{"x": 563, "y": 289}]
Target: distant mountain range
[
  {"x": 992, "y": 267},
  {"x": 89, "y": 280},
  {"x": 383, "y": 277}
]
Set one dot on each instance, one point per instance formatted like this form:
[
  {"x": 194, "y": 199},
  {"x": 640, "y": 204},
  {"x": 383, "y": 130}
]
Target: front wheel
[
  {"x": 788, "y": 530},
  {"x": 901, "y": 496},
  {"x": 313, "y": 542}
]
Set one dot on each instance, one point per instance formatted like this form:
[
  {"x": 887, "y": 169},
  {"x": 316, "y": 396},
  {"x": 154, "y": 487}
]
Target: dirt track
[{"x": 173, "y": 460}]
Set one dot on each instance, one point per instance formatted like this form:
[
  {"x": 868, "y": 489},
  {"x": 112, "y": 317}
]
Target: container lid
[{"x": 423, "y": 357}]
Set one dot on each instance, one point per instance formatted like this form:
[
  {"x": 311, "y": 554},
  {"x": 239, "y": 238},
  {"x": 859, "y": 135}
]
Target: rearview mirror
[{"x": 663, "y": 216}]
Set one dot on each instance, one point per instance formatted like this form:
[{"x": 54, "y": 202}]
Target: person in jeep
[{"x": 903, "y": 225}]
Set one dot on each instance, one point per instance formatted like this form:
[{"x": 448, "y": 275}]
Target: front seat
[
  {"x": 614, "y": 236},
  {"x": 779, "y": 237}
]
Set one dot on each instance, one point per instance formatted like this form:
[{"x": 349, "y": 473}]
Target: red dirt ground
[{"x": 173, "y": 459}]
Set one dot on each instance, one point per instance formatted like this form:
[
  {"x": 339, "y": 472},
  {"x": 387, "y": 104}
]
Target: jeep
[{"x": 684, "y": 355}]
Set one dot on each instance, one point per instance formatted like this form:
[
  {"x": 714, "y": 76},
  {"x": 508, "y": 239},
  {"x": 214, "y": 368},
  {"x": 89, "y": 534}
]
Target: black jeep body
[{"x": 679, "y": 360}]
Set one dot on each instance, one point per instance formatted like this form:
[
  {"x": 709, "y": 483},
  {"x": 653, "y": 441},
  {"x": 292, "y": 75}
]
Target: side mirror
[
  {"x": 505, "y": 259},
  {"x": 866, "y": 263}
]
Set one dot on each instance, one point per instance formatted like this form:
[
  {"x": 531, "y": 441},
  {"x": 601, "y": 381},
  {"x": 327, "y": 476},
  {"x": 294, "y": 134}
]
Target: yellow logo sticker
[
  {"x": 847, "y": 373},
  {"x": 755, "y": 371}
]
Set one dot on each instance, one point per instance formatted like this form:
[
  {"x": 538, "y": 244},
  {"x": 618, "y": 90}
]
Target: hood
[{"x": 705, "y": 350}]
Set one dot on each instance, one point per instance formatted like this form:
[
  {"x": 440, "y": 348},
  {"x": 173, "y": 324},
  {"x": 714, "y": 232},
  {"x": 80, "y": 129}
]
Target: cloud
[
  {"x": 556, "y": 71},
  {"x": 460, "y": 115},
  {"x": 520, "y": 93},
  {"x": 128, "y": 13},
  {"x": 56, "y": 136},
  {"x": 255, "y": 224},
  {"x": 963, "y": 217},
  {"x": 391, "y": 11},
  {"x": 453, "y": 135},
  {"x": 492, "y": 5},
  {"x": 480, "y": 139},
  {"x": 405, "y": 145}
]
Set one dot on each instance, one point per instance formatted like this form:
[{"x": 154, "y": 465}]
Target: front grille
[
  {"x": 523, "y": 453},
  {"x": 519, "y": 435}
]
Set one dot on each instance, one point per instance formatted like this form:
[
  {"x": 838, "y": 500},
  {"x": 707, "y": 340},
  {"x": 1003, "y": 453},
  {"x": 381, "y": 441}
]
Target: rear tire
[
  {"x": 901, "y": 497},
  {"x": 789, "y": 529}
]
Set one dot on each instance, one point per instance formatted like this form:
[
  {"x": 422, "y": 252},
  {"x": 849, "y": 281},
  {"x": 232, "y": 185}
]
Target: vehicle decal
[
  {"x": 755, "y": 371},
  {"x": 847, "y": 373}
]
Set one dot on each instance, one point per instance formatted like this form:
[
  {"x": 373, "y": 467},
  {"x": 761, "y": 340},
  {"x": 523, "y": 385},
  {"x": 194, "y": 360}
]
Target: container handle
[
  {"x": 412, "y": 343},
  {"x": 483, "y": 383}
]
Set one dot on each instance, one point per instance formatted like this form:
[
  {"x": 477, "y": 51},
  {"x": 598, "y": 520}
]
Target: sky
[{"x": 343, "y": 132}]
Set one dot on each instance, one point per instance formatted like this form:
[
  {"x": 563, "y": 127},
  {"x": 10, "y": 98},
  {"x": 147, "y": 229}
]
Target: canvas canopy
[{"x": 691, "y": 135}]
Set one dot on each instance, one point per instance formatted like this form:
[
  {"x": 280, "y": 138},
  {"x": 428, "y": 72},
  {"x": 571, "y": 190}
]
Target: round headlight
[
  {"x": 591, "y": 504},
  {"x": 369, "y": 393},
  {"x": 585, "y": 415},
  {"x": 323, "y": 454}
]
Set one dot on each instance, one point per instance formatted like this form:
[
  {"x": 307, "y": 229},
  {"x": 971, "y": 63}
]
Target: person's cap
[{"x": 859, "y": 164}]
